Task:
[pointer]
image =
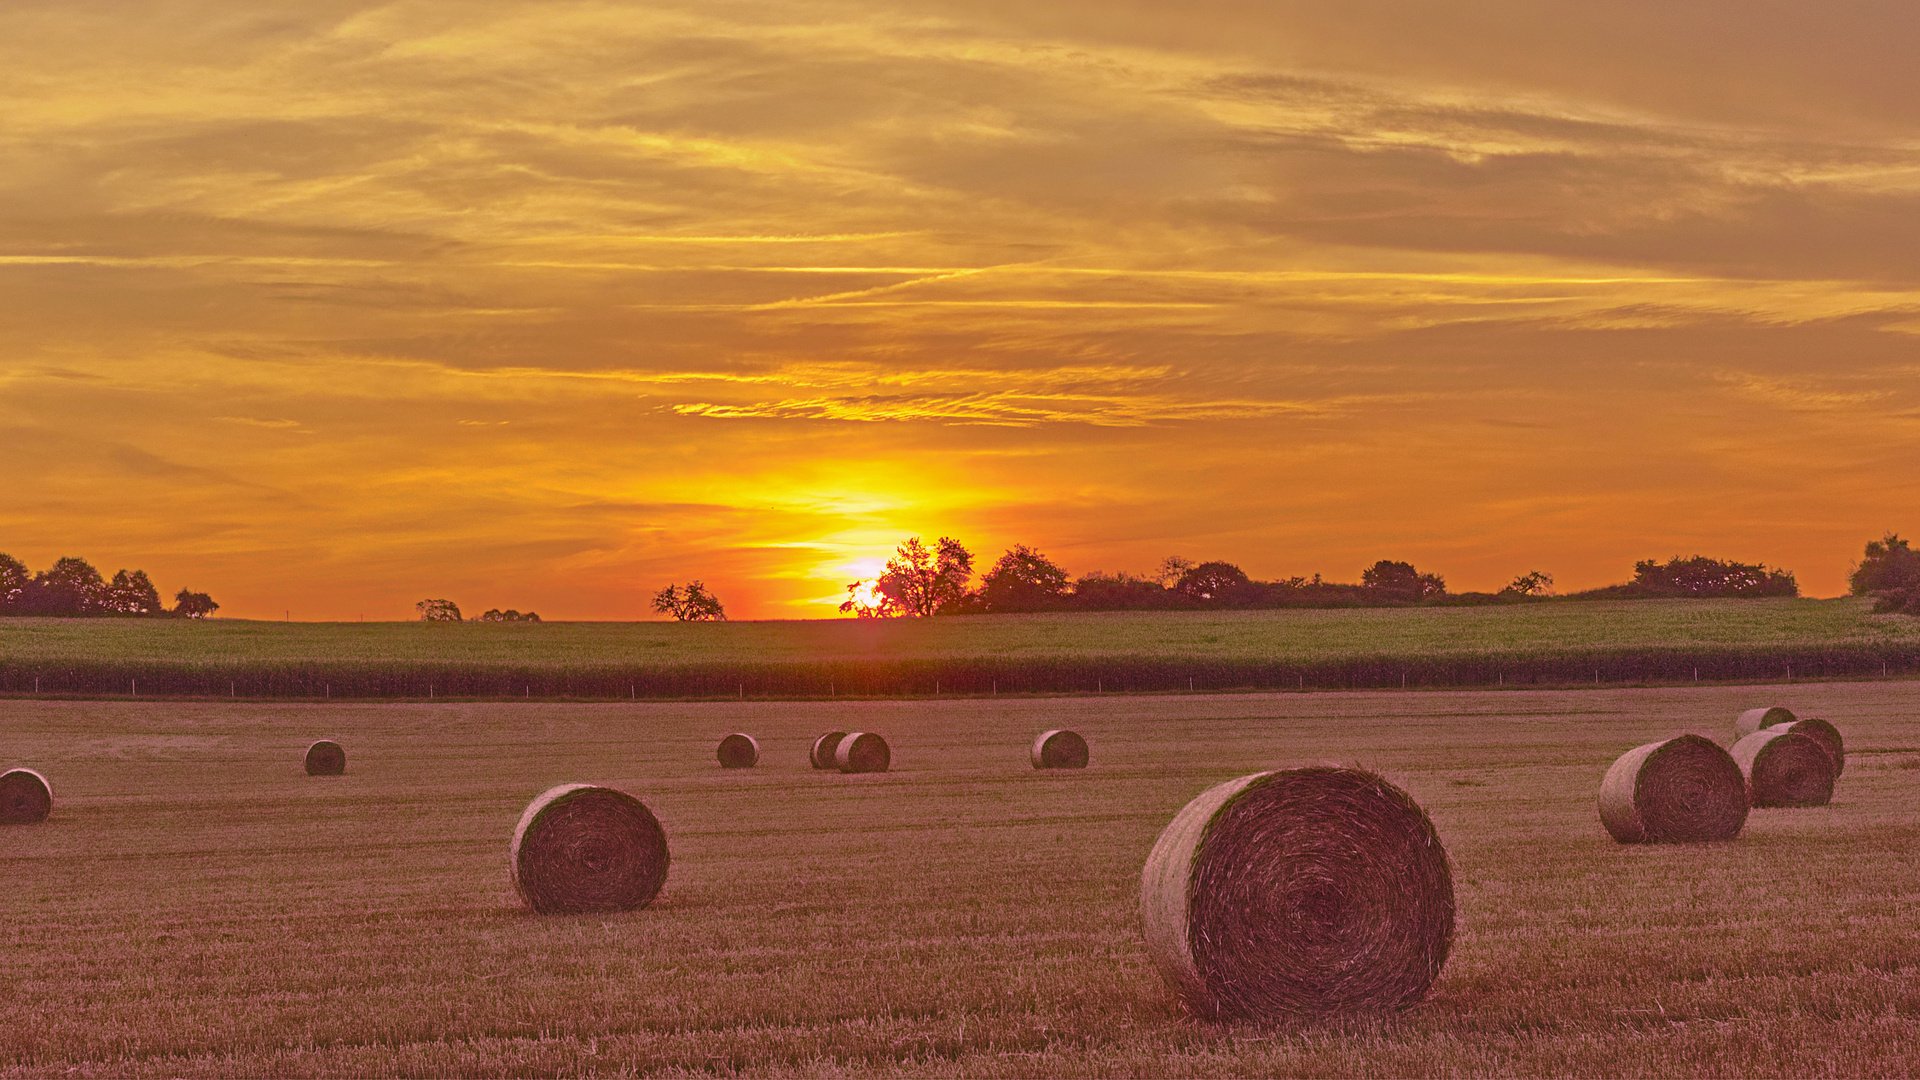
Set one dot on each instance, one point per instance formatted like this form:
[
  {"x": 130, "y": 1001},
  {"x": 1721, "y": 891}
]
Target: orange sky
[{"x": 544, "y": 305}]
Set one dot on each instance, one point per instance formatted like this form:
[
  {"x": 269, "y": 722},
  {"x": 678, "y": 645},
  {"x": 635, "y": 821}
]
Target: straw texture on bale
[
  {"x": 1305, "y": 891},
  {"x": 1059, "y": 749},
  {"x": 583, "y": 848},
  {"x": 863, "y": 751},
  {"x": 326, "y": 758},
  {"x": 739, "y": 751},
  {"x": 1756, "y": 719},
  {"x": 1784, "y": 769},
  {"x": 823, "y": 750},
  {"x": 1827, "y": 736},
  {"x": 25, "y": 797},
  {"x": 1674, "y": 792}
]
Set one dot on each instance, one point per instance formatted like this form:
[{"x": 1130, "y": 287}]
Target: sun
[{"x": 865, "y": 595}]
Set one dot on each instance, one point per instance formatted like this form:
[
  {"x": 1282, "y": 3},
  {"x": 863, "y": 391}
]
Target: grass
[
  {"x": 1613, "y": 641},
  {"x": 197, "y": 906}
]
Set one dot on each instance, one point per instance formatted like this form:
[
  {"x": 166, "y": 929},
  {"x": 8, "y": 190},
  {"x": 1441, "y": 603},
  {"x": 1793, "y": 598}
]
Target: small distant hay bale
[
  {"x": 1059, "y": 749},
  {"x": 1756, "y": 719},
  {"x": 25, "y": 797},
  {"x": 1305, "y": 891},
  {"x": 326, "y": 758},
  {"x": 583, "y": 848},
  {"x": 1683, "y": 790},
  {"x": 1784, "y": 769},
  {"x": 1826, "y": 735},
  {"x": 739, "y": 751},
  {"x": 862, "y": 751},
  {"x": 823, "y": 749}
]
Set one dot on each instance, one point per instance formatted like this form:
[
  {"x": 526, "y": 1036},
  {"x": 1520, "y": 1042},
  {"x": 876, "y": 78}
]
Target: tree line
[
  {"x": 73, "y": 588},
  {"x": 922, "y": 581}
]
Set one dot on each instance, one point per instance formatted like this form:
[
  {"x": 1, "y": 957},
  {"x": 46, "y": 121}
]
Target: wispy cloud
[{"x": 574, "y": 294}]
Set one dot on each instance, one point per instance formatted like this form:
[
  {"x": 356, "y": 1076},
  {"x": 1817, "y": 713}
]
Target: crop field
[
  {"x": 197, "y": 906},
  {"x": 1545, "y": 643}
]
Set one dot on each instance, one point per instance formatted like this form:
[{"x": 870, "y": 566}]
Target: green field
[
  {"x": 196, "y": 906},
  {"x": 1618, "y": 641}
]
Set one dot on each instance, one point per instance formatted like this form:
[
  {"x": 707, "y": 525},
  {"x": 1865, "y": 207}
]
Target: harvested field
[{"x": 186, "y": 911}]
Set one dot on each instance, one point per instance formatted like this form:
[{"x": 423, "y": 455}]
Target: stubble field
[{"x": 196, "y": 905}]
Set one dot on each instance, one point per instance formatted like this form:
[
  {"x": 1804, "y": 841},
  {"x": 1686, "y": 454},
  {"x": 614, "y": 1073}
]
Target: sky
[{"x": 326, "y": 308}]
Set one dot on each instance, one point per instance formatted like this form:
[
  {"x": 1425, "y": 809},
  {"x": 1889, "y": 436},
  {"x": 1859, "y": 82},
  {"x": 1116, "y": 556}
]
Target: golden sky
[{"x": 328, "y": 307}]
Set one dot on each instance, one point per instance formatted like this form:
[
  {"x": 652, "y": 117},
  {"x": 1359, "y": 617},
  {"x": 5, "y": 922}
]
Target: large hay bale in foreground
[
  {"x": 583, "y": 848},
  {"x": 823, "y": 749},
  {"x": 1304, "y": 891},
  {"x": 1059, "y": 749},
  {"x": 1784, "y": 769},
  {"x": 25, "y": 797},
  {"x": 863, "y": 751},
  {"x": 1679, "y": 791},
  {"x": 1756, "y": 719},
  {"x": 1826, "y": 735},
  {"x": 326, "y": 758},
  {"x": 739, "y": 751}
]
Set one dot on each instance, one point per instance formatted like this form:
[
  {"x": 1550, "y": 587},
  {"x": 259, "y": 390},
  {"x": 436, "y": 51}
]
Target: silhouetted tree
[
  {"x": 696, "y": 604},
  {"x": 68, "y": 587},
  {"x": 509, "y": 615},
  {"x": 923, "y": 582},
  {"x": 131, "y": 594},
  {"x": 1400, "y": 581},
  {"x": 14, "y": 580},
  {"x": 1889, "y": 572},
  {"x": 1889, "y": 563},
  {"x": 438, "y": 611},
  {"x": 1531, "y": 583},
  {"x": 198, "y": 605},
  {"x": 1215, "y": 584},
  {"x": 1172, "y": 569},
  {"x": 1023, "y": 580}
]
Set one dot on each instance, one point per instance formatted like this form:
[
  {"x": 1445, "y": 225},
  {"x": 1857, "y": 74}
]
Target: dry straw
[
  {"x": 1674, "y": 792},
  {"x": 1304, "y": 891},
  {"x": 1783, "y": 768},
  {"x": 1827, "y": 736},
  {"x": 862, "y": 751},
  {"x": 582, "y": 848},
  {"x": 25, "y": 797},
  {"x": 823, "y": 748},
  {"x": 739, "y": 751},
  {"x": 1755, "y": 719},
  {"x": 326, "y": 758},
  {"x": 1059, "y": 749}
]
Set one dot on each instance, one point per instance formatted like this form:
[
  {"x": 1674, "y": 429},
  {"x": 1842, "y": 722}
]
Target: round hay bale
[
  {"x": 862, "y": 751},
  {"x": 823, "y": 748},
  {"x": 1783, "y": 768},
  {"x": 1674, "y": 792},
  {"x": 1305, "y": 891},
  {"x": 739, "y": 751},
  {"x": 25, "y": 797},
  {"x": 1755, "y": 719},
  {"x": 1059, "y": 749},
  {"x": 326, "y": 758},
  {"x": 583, "y": 848},
  {"x": 1827, "y": 736}
]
